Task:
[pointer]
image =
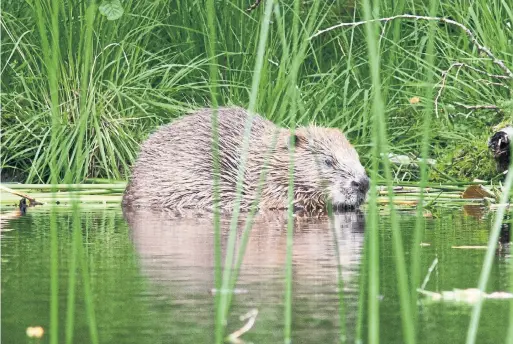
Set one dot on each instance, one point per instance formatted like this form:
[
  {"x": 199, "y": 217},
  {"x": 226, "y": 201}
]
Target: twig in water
[
  {"x": 469, "y": 296},
  {"x": 481, "y": 247},
  {"x": 481, "y": 48},
  {"x": 430, "y": 270},
  {"x": 251, "y": 316}
]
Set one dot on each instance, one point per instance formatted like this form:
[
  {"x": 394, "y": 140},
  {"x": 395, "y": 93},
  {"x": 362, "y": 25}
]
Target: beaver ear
[{"x": 298, "y": 140}]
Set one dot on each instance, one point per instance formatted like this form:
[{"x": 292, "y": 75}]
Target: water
[{"x": 152, "y": 279}]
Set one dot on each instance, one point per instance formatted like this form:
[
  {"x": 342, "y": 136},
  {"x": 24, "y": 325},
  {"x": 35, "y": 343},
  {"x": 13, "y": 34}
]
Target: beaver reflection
[{"x": 176, "y": 253}]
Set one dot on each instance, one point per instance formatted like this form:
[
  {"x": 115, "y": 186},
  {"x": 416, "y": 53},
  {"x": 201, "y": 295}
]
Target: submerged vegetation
[{"x": 103, "y": 78}]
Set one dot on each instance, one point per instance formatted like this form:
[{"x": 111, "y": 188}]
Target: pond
[{"x": 152, "y": 278}]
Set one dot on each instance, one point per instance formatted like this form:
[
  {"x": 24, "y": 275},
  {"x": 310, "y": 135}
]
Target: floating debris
[
  {"x": 468, "y": 247},
  {"x": 471, "y": 295},
  {"x": 235, "y": 291},
  {"x": 35, "y": 332},
  {"x": 251, "y": 318},
  {"x": 477, "y": 192},
  {"x": 428, "y": 275}
]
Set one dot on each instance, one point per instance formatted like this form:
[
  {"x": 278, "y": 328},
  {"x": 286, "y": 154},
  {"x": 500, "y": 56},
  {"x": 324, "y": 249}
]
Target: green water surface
[{"x": 151, "y": 276}]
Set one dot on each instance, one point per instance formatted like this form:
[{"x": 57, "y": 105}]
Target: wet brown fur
[{"x": 175, "y": 165}]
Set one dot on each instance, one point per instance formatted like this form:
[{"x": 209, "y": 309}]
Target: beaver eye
[{"x": 329, "y": 162}]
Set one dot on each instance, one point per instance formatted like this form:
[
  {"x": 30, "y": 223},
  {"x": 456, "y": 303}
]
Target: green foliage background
[{"x": 104, "y": 85}]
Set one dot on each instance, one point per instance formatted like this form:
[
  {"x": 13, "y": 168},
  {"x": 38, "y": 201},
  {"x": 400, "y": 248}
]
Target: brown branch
[
  {"x": 508, "y": 73},
  {"x": 32, "y": 200}
]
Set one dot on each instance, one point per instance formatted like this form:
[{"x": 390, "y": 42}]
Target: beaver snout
[
  {"x": 361, "y": 184},
  {"x": 351, "y": 192}
]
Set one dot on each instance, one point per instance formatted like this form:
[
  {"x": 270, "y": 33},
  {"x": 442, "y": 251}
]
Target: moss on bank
[{"x": 466, "y": 161}]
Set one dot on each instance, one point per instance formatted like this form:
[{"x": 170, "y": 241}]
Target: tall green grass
[
  {"x": 223, "y": 304},
  {"x": 105, "y": 85},
  {"x": 79, "y": 92},
  {"x": 415, "y": 268}
]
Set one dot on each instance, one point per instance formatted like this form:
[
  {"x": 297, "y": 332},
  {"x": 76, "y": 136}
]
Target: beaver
[
  {"x": 175, "y": 166},
  {"x": 498, "y": 144}
]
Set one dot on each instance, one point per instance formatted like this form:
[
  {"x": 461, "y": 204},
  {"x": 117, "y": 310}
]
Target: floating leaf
[
  {"x": 476, "y": 192},
  {"x": 112, "y": 9}
]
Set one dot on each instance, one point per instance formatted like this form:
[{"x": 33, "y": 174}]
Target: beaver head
[{"x": 327, "y": 167}]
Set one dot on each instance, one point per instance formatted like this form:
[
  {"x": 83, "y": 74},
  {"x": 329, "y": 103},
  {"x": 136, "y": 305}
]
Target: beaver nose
[{"x": 361, "y": 184}]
